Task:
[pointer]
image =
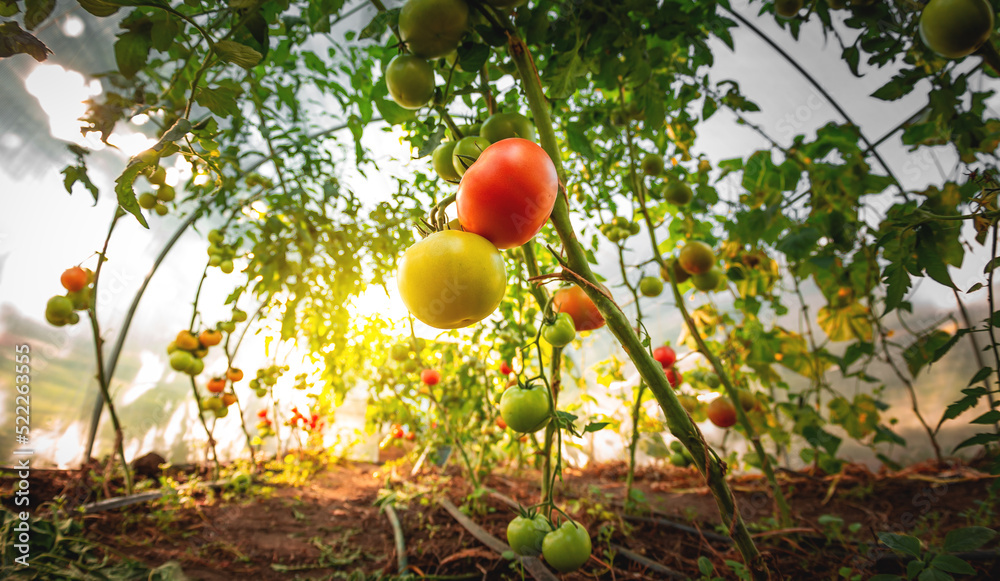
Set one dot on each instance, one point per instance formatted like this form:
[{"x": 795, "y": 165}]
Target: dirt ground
[{"x": 331, "y": 527}]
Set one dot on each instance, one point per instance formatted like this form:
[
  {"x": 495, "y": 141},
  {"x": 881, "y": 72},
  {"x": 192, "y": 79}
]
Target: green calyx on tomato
[
  {"x": 503, "y": 125},
  {"x": 526, "y": 534},
  {"x": 442, "y": 162},
  {"x": 525, "y": 409},
  {"x": 466, "y": 152},
  {"x": 433, "y": 28},
  {"x": 567, "y": 548},
  {"x": 410, "y": 81},
  {"x": 508, "y": 194},
  {"x": 561, "y": 332},
  {"x": 956, "y": 28},
  {"x": 452, "y": 279}
]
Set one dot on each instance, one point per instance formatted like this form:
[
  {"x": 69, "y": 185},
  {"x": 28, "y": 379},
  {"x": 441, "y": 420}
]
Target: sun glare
[{"x": 61, "y": 94}]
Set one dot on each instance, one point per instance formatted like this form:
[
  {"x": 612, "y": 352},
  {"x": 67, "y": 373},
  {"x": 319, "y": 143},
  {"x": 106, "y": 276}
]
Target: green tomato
[
  {"x": 214, "y": 260},
  {"x": 181, "y": 360},
  {"x": 158, "y": 177},
  {"x": 399, "y": 352},
  {"x": 678, "y": 193},
  {"x": 956, "y": 28},
  {"x": 410, "y": 81},
  {"x": 147, "y": 201},
  {"x": 239, "y": 316},
  {"x": 505, "y": 125},
  {"x": 261, "y": 392},
  {"x": 166, "y": 193},
  {"x": 433, "y": 28},
  {"x": 215, "y": 237},
  {"x": 221, "y": 412},
  {"x": 441, "y": 160},
  {"x": 567, "y": 548},
  {"x": 678, "y": 460},
  {"x": 525, "y": 535},
  {"x": 160, "y": 209},
  {"x": 227, "y": 326},
  {"x": 787, "y": 8},
  {"x": 467, "y": 151},
  {"x": 708, "y": 281},
  {"x": 652, "y": 164},
  {"x": 560, "y": 333},
  {"x": 59, "y": 307},
  {"x": 226, "y": 266},
  {"x": 525, "y": 410},
  {"x": 197, "y": 366},
  {"x": 651, "y": 286}
]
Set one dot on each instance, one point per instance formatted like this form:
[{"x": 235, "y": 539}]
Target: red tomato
[
  {"x": 505, "y": 368},
  {"x": 722, "y": 412},
  {"x": 577, "y": 304},
  {"x": 501, "y": 424},
  {"x": 674, "y": 377},
  {"x": 508, "y": 193},
  {"x": 262, "y": 413},
  {"x": 665, "y": 355},
  {"x": 430, "y": 376},
  {"x": 397, "y": 433},
  {"x": 74, "y": 279},
  {"x": 411, "y": 436}
]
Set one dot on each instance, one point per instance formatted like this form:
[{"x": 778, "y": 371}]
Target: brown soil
[{"x": 331, "y": 526}]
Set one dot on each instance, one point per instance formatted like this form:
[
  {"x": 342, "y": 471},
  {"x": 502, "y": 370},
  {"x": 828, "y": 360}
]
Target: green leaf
[
  {"x": 968, "y": 402},
  {"x": 576, "y": 138},
  {"x": 381, "y": 22},
  {"x": 990, "y": 417},
  {"x": 932, "y": 574},
  {"x": 967, "y": 539},
  {"x": 78, "y": 173},
  {"x": 131, "y": 53},
  {"x": 13, "y": 41},
  {"x": 9, "y": 8},
  {"x": 898, "y": 283},
  {"x": 981, "y": 375},
  {"x": 952, "y": 564},
  {"x": 978, "y": 440},
  {"x": 125, "y": 193},
  {"x": 99, "y": 8},
  {"x": 36, "y": 11},
  {"x": 473, "y": 56},
  {"x": 595, "y": 427},
  {"x": 221, "y": 99},
  {"x": 238, "y": 54},
  {"x": 901, "y": 543}
]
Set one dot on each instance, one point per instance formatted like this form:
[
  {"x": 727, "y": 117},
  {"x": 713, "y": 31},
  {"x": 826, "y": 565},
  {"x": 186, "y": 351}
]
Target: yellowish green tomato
[
  {"x": 410, "y": 81},
  {"x": 567, "y": 548},
  {"x": 441, "y": 159},
  {"x": 525, "y": 535},
  {"x": 956, "y": 28},
  {"x": 525, "y": 410}
]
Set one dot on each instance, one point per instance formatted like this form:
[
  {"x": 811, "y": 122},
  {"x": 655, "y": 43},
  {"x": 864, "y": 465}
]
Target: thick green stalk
[{"x": 649, "y": 369}]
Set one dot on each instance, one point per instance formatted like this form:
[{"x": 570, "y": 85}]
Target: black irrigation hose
[
  {"x": 397, "y": 533},
  {"x": 535, "y": 567},
  {"x": 669, "y": 523},
  {"x": 650, "y": 564}
]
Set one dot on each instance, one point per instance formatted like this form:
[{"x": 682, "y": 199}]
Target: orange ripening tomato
[
  {"x": 74, "y": 279},
  {"x": 397, "y": 433},
  {"x": 507, "y": 194},
  {"x": 430, "y": 376},
  {"x": 210, "y": 338},
  {"x": 216, "y": 385},
  {"x": 573, "y": 301},
  {"x": 234, "y": 374}
]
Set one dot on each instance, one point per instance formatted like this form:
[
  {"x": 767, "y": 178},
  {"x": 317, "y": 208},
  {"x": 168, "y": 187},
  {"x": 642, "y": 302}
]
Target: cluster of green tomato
[
  {"x": 61, "y": 310},
  {"x": 267, "y": 378},
  {"x": 565, "y": 548},
  {"x": 156, "y": 175},
  {"x": 404, "y": 354},
  {"x": 675, "y": 191},
  {"x": 679, "y": 455},
  {"x": 619, "y": 229},
  {"x": 452, "y": 158},
  {"x": 217, "y": 405},
  {"x": 697, "y": 263},
  {"x": 187, "y": 351},
  {"x": 220, "y": 254}
]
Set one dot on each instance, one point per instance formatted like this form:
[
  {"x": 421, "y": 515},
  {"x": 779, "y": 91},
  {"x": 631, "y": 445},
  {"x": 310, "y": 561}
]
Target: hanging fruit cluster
[
  {"x": 61, "y": 309},
  {"x": 267, "y": 378},
  {"x": 221, "y": 254}
]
